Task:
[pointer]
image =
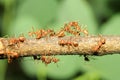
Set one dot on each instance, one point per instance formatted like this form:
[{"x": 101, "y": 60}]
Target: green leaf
[
  {"x": 23, "y": 24},
  {"x": 41, "y": 10},
  {"x": 3, "y": 65},
  {"x": 91, "y": 75},
  {"x": 112, "y": 26},
  {"x": 109, "y": 65}
]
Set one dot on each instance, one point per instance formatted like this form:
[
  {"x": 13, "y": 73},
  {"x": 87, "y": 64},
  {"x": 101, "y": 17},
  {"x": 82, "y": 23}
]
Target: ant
[
  {"x": 11, "y": 55},
  {"x": 61, "y": 33},
  {"x": 86, "y": 57},
  {"x": 55, "y": 60},
  {"x": 41, "y": 33},
  {"x": 49, "y": 32},
  {"x": 21, "y": 38},
  {"x": 38, "y": 33},
  {"x": 64, "y": 42},
  {"x": 77, "y": 28},
  {"x": 75, "y": 25},
  {"x": 68, "y": 26},
  {"x": 99, "y": 44},
  {"x": 46, "y": 60},
  {"x": 31, "y": 33},
  {"x": 14, "y": 41},
  {"x": 85, "y": 31},
  {"x": 75, "y": 44},
  {"x": 67, "y": 43},
  {"x": 36, "y": 57}
]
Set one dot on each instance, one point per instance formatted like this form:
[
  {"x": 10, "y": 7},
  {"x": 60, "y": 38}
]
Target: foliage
[{"x": 100, "y": 17}]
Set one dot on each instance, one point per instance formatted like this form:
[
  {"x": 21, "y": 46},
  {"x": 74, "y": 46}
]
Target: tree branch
[
  {"x": 69, "y": 45},
  {"x": 48, "y": 43}
]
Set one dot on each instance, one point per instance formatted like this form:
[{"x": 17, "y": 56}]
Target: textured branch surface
[{"x": 50, "y": 46}]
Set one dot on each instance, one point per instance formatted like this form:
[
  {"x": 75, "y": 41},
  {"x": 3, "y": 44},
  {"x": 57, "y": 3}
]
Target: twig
[
  {"x": 48, "y": 42},
  {"x": 51, "y": 46}
]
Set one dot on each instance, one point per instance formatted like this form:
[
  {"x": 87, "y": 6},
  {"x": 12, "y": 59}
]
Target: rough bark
[{"x": 89, "y": 45}]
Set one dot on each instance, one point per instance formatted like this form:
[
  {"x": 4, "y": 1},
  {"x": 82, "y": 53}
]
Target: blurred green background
[{"x": 100, "y": 16}]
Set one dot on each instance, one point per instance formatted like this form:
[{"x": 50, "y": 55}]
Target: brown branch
[
  {"x": 48, "y": 42},
  {"x": 90, "y": 45}
]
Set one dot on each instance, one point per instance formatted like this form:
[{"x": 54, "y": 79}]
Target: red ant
[
  {"x": 77, "y": 28},
  {"x": 85, "y": 32},
  {"x": 21, "y": 39},
  {"x": 99, "y": 44},
  {"x": 11, "y": 55},
  {"x": 14, "y": 41},
  {"x": 55, "y": 60},
  {"x": 66, "y": 28},
  {"x": 42, "y": 33},
  {"x": 61, "y": 33},
  {"x": 67, "y": 43},
  {"x": 75, "y": 25},
  {"x": 64, "y": 42},
  {"x": 46, "y": 60}
]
